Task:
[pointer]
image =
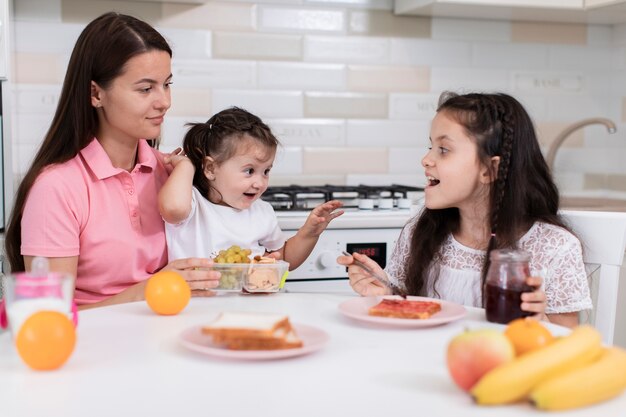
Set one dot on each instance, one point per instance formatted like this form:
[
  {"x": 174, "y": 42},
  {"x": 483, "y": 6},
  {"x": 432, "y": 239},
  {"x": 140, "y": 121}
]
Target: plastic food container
[
  {"x": 265, "y": 277},
  {"x": 253, "y": 277}
]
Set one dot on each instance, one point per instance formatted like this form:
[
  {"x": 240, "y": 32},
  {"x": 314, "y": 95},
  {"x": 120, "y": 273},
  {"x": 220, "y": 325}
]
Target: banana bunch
[
  {"x": 514, "y": 381},
  {"x": 603, "y": 379}
]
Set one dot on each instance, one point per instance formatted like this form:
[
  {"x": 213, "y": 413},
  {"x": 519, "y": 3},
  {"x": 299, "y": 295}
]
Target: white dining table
[{"x": 129, "y": 361}]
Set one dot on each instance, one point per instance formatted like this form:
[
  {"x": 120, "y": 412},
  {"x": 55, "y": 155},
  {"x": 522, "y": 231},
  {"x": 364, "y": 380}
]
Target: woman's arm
[
  {"x": 192, "y": 269},
  {"x": 175, "y": 195}
]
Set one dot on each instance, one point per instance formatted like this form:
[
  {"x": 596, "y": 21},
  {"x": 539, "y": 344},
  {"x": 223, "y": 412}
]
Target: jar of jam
[{"x": 505, "y": 283}]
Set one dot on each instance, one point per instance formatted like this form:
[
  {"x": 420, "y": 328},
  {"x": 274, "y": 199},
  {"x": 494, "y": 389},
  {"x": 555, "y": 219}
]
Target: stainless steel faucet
[{"x": 560, "y": 138}]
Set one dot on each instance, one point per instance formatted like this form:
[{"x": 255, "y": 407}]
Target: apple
[{"x": 473, "y": 353}]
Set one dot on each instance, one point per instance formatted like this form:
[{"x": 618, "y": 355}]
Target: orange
[
  {"x": 527, "y": 335},
  {"x": 46, "y": 340},
  {"x": 167, "y": 293}
]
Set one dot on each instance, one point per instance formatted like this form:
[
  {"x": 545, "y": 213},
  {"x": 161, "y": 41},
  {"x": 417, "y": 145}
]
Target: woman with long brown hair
[
  {"x": 88, "y": 203},
  {"x": 487, "y": 187}
]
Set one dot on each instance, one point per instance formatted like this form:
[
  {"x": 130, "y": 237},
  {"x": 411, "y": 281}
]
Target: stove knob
[
  {"x": 385, "y": 204},
  {"x": 327, "y": 260},
  {"x": 366, "y": 204}
]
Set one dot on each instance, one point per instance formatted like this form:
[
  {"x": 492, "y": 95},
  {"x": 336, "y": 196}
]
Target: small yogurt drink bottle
[{"x": 27, "y": 293}]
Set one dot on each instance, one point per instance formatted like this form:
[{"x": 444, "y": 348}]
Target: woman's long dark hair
[
  {"x": 522, "y": 193},
  {"x": 100, "y": 54},
  {"x": 219, "y": 138}
]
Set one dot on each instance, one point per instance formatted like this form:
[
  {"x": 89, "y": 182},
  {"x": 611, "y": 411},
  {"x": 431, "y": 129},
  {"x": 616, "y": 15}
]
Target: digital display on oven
[{"x": 376, "y": 251}]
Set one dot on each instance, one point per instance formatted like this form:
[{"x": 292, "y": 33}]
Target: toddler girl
[
  {"x": 212, "y": 197},
  {"x": 487, "y": 187}
]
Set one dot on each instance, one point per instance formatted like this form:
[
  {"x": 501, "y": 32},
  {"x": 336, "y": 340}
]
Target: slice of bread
[
  {"x": 247, "y": 331},
  {"x": 405, "y": 309}
]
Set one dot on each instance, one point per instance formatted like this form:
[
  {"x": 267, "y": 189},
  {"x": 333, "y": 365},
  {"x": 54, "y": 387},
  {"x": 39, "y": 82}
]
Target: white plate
[
  {"x": 313, "y": 339},
  {"x": 357, "y": 308}
]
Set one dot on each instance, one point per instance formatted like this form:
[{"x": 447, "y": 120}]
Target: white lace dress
[{"x": 552, "y": 249}]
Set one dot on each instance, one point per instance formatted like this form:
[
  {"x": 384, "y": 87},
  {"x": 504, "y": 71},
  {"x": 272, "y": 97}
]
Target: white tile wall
[
  {"x": 263, "y": 103},
  {"x": 351, "y": 49},
  {"x": 288, "y": 161},
  {"x": 509, "y": 55},
  {"x": 387, "y": 132},
  {"x": 471, "y": 30},
  {"x": 302, "y": 76},
  {"x": 300, "y": 19},
  {"x": 341, "y": 74},
  {"x": 309, "y": 132},
  {"x": 214, "y": 74},
  {"x": 430, "y": 52},
  {"x": 188, "y": 44}
]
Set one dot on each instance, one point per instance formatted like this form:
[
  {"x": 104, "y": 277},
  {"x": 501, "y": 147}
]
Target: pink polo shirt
[{"x": 106, "y": 216}]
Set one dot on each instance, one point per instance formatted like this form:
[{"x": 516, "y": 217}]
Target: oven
[{"x": 373, "y": 219}]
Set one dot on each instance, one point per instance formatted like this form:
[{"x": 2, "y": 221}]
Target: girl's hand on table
[
  {"x": 535, "y": 302},
  {"x": 360, "y": 280},
  {"x": 195, "y": 271}
]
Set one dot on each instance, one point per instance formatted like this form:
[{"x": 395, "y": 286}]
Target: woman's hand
[
  {"x": 319, "y": 218},
  {"x": 360, "y": 280},
  {"x": 535, "y": 302},
  {"x": 196, "y": 273}
]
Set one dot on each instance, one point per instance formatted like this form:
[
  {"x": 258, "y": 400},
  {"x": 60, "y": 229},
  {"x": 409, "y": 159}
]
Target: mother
[{"x": 88, "y": 202}]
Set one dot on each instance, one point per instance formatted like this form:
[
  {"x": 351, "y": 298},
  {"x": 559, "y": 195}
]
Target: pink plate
[
  {"x": 313, "y": 339},
  {"x": 358, "y": 307}
]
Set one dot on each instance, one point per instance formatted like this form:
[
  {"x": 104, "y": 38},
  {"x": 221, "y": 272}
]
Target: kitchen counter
[
  {"x": 129, "y": 361},
  {"x": 599, "y": 200}
]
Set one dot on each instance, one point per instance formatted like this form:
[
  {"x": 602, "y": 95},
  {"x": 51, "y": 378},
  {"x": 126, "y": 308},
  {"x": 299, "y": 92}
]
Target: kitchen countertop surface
[
  {"x": 598, "y": 200},
  {"x": 129, "y": 362}
]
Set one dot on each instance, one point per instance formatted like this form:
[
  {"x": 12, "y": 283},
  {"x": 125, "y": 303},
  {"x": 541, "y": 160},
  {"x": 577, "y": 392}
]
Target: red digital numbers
[{"x": 371, "y": 252}]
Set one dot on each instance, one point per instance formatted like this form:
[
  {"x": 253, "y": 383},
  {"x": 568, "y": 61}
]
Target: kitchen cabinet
[{"x": 565, "y": 11}]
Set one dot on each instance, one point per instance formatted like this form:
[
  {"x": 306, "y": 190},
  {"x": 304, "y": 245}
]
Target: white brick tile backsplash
[
  {"x": 564, "y": 57},
  {"x": 301, "y": 76},
  {"x": 348, "y": 87},
  {"x": 430, "y": 52},
  {"x": 57, "y": 39},
  {"x": 32, "y": 128},
  {"x": 384, "y": 179},
  {"x": 513, "y": 56},
  {"x": 288, "y": 161},
  {"x": 462, "y": 80},
  {"x": 309, "y": 132},
  {"x": 257, "y": 46},
  {"x": 36, "y": 99},
  {"x": 173, "y": 131},
  {"x": 211, "y": 15},
  {"x": 407, "y": 161},
  {"x": 299, "y": 19},
  {"x": 471, "y": 30},
  {"x": 387, "y": 133},
  {"x": 346, "y": 49},
  {"x": 413, "y": 106},
  {"x": 599, "y": 34},
  {"x": 188, "y": 44},
  {"x": 265, "y": 104},
  {"x": 214, "y": 74}
]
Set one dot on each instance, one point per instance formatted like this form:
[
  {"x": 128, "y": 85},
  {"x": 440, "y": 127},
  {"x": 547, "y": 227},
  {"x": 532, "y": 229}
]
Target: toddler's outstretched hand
[{"x": 319, "y": 218}]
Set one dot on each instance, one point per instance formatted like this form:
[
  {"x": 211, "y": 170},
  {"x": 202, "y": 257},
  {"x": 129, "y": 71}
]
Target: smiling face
[
  {"x": 134, "y": 104},
  {"x": 242, "y": 179},
  {"x": 455, "y": 177}
]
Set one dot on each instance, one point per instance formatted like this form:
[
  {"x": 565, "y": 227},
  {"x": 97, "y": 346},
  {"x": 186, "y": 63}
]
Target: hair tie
[{"x": 493, "y": 235}]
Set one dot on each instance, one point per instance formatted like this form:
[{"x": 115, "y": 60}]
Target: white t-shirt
[
  {"x": 554, "y": 252},
  {"x": 210, "y": 228}
]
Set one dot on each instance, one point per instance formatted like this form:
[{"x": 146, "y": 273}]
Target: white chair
[{"x": 603, "y": 235}]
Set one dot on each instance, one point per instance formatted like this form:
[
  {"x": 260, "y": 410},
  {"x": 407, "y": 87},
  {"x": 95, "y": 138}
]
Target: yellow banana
[
  {"x": 599, "y": 381},
  {"x": 514, "y": 380}
]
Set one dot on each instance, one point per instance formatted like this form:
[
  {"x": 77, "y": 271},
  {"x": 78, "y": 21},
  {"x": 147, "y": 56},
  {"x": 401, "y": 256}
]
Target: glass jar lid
[{"x": 509, "y": 255}]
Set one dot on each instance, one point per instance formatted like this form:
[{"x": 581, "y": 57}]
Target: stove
[{"x": 373, "y": 219}]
